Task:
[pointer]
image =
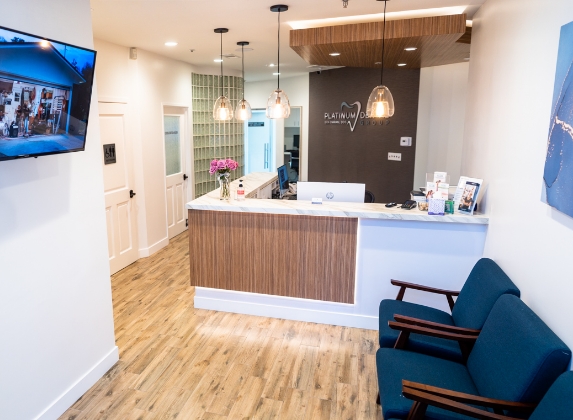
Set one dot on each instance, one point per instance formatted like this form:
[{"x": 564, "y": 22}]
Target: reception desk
[{"x": 329, "y": 263}]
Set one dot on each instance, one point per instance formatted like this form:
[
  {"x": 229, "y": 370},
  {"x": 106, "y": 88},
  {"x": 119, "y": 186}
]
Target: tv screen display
[{"x": 45, "y": 94}]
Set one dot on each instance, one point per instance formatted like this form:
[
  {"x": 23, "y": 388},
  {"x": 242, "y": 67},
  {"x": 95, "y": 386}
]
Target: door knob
[
  {"x": 185, "y": 177},
  {"x": 131, "y": 193}
]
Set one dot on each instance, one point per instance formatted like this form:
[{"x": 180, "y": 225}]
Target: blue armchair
[
  {"x": 516, "y": 358},
  {"x": 556, "y": 404},
  {"x": 485, "y": 284}
]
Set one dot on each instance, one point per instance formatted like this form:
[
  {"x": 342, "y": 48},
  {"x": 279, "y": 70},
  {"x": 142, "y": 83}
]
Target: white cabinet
[{"x": 292, "y": 121}]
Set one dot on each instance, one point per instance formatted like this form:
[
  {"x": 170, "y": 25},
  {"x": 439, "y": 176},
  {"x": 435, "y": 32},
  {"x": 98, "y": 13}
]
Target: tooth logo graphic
[
  {"x": 330, "y": 195},
  {"x": 351, "y": 106}
]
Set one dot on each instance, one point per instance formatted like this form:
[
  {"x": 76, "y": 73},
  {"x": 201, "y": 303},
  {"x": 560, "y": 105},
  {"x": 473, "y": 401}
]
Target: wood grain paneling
[
  {"x": 297, "y": 256},
  {"x": 360, "y": 44}
]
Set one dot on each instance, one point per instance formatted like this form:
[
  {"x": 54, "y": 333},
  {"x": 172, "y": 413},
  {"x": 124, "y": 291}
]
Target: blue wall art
[{"x": 558, "y": 175}]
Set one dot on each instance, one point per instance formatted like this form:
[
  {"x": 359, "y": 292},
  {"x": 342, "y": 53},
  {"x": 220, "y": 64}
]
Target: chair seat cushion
[
  {"x": 446, "y": 349},
  {"x": 394, "y": 365}
]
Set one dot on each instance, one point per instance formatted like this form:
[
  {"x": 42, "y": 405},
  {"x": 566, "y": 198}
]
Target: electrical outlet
[
  {"x": 395, "y": 156},
  {"x": 405, "y": 141}
]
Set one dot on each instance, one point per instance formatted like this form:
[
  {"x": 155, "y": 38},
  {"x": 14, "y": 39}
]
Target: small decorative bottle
[{"x": 240, "y": 191}]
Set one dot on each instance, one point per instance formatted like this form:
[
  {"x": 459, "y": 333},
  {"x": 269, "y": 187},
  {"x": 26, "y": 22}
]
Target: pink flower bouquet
[{"x": 222, "y": 166}]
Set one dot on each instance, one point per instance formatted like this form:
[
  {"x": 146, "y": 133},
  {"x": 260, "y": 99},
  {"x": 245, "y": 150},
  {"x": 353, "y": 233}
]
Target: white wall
[
  {"x": 297, "y": 90},
  {"x": 147, "y": 85},
  {"x": 56, "y": 319},
  {"x": 441, "y": 118},
  {"x": 512, "y": 71}
]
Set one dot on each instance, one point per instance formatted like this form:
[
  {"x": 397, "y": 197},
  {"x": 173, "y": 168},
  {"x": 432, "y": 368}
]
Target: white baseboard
[
  {"x": 146, "y": 252},
  {"x": 282, "y": 307},
  {"x": 71, "y": 395}
]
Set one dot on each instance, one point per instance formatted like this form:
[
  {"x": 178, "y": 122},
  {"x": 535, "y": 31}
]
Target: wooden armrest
[
  {"x": 409, "y": 328},
  {"x": 423, "y": 288},
  {"x": 423, "y": 399},
  {"x": 465, "y": 341},
  {"x": 464, "y": 398},
  {"x": 434, "y": 325},
  {"x": 404, "y": 285}
]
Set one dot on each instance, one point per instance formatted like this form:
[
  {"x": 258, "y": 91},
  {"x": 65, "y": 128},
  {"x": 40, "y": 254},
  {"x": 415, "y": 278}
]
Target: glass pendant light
[
  {"x": 222, "y": 111},
  {"x": 380, "y": 102},
  {"x": 278, "y": 105},
  {"x": 243, "y": 111}
]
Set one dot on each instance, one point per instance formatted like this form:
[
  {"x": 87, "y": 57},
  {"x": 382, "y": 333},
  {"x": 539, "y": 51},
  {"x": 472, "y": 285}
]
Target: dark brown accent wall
[{"x": 337, "y": 154}]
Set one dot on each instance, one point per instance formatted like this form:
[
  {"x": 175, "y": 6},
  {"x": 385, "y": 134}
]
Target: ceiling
[{"x": 148, "y": 24}]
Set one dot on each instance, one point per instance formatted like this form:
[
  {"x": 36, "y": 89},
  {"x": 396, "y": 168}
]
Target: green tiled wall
[{"x": 213, "y": 139}]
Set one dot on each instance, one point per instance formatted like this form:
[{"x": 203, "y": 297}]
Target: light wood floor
[{"x": 186, "y": 363}]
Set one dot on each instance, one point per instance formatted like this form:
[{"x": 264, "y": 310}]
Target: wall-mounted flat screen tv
[{"x": 45, "y": 94}]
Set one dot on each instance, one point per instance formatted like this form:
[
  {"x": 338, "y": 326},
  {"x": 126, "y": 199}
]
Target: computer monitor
[
  {"x": 296, "y": 141},
  {"x": 331, "y": 191},
  {"x": 283, "y": 180}
]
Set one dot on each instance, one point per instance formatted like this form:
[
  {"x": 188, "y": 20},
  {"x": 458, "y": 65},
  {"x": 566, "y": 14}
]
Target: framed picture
[{"x": 558, "y": 173}]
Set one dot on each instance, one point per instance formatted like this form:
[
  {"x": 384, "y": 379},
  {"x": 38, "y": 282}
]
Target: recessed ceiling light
[
  {"x": 410, "y": 49},
  {"x": 401, "y": 64},
  {"x": 334, "y": 54},
  {"x": 170, "y": 44},
  {"x": 377, "y": 63},
  {"x": 218, "y": 60},
  {"x": 44, "y": 43},
  {"x": 467, "y": 58},
  {"x": 276, "y": 74},
  {"x": 311, "y": 66},
  {"x": 271, "y": 65}
]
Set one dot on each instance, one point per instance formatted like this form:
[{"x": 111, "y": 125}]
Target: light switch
[{"x": 405, "y": 141}]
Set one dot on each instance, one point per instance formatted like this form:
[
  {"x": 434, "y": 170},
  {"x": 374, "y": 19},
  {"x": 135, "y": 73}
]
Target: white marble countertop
[{"x": 255, "y": 181}]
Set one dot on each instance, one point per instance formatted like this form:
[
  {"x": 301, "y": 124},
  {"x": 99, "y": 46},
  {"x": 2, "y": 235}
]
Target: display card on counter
[{"x": 467, "y": 194}]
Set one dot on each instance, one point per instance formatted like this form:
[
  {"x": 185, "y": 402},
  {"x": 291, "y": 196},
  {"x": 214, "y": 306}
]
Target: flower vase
[{"x": 224, "y": 187}]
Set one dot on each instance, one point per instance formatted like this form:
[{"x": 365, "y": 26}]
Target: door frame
[
  {"x": 272, "y": 140},
  {"x": 187, "y": 142},
  {"x": 302, "y": 151}
]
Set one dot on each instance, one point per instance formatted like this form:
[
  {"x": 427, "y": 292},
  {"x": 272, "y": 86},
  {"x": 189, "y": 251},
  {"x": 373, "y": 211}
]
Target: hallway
[{"x": 186, "y": 363}]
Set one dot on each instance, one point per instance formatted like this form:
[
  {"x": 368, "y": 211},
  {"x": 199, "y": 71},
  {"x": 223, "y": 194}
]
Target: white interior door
[
  {"x": 175, "y": 176},
  {"x": 118, "y": 186}
]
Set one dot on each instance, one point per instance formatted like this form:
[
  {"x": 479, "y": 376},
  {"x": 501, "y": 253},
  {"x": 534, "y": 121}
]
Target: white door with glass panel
[
  {"x": 175, "y": 175},
  {"x": 118, "y": 186}
]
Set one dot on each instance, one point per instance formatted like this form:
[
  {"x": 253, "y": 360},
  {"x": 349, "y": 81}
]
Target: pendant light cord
[
  {"x": 221, "y": 58},
  {"x": 383, "y": 39},
  {"x": 243, "y": 57},
  {"x": 279, "y": 53}
]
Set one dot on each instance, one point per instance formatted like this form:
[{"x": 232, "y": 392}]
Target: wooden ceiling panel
[{"x": 360, "y": 45}]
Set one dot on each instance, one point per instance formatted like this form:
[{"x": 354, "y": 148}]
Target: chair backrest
[
  {"x": 516, "y": 356},
  {"x": 484, "y": 285},
  {"x": 368, "y": 197},
  {"x": 558, "y": 402}
]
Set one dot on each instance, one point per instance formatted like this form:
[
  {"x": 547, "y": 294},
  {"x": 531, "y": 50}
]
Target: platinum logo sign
[{"x": 349, "y": 115}]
